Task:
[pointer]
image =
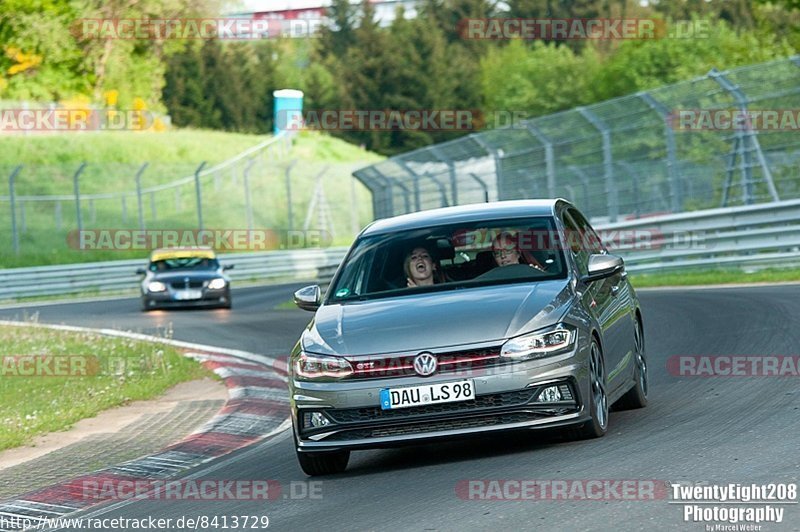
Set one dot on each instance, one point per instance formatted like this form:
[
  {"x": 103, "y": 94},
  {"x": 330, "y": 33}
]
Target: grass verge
[
  {"x": 714, "y": 277},
  {"x": 90, "y": 373}
]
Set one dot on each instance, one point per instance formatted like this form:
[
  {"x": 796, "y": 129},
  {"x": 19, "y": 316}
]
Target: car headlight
[
  {"x": 311, "y": 366},
  {"x": 551, "y": 341},
  {"x": 217, "y": 284},
  {"x": 156, "y": 286}
]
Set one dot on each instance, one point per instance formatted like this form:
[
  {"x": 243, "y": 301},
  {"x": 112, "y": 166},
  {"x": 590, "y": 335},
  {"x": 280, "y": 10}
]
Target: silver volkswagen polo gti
[{"x": 463, "y": 320}]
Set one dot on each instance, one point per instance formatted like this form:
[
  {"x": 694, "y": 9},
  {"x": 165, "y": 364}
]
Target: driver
[{"x": 506, "y": 251}]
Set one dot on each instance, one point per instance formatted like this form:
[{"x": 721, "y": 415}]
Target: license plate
[
  {"x": 443, "y": 392},
  {"x": 183, "y": 295}
]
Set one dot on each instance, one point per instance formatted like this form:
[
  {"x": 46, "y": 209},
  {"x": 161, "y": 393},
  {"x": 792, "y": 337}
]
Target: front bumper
[
  {"x": 167, "y": 299},
  {"x": 505, "y": 400}
]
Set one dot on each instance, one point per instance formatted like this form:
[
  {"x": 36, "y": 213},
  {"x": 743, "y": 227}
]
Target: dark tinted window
[{"x": 451, "y": 256}]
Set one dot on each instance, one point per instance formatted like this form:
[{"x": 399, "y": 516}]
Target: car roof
[
  {"x": 182, "y": 253},
  {"x": 465, "y": 214}
]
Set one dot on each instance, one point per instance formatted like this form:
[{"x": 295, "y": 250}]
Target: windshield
[
  {"x": 188, "y": 263},
  {"x": 451, "y": 256}
]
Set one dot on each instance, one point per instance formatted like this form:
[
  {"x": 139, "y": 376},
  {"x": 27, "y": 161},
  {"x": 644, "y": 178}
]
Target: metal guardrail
[
  {"x": 760, "y": 235},
  {"x": 121, "y": 275}
]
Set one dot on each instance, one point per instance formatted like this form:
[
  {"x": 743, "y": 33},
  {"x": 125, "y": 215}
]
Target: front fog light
[
  {"x": 315, "y": 420},
  {"x": 551, "y": 394}
]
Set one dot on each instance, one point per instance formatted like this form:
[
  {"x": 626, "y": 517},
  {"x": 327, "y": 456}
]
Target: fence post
[
  {"x": 612, "y": 194},
  {"x": 288, "y": 179},
  {"x": 482, "y": 183},
  {"x": 12, "y": 198},
  {"x": 77, "y": 190},
  {"x": 124, "y": 209},
  {"x": 248, "y": 206},
  {"x": 153, "y": 210},
  {"x": 58, "y": 215},
  {"x": 199, "y": 195},
  {"x": 139, "y": 194},
  {"x": 747, "y": 135},
  {"x": 497, "y": 155},
  {"x": 353, "y": 206},
  {"x": 672, "y": 160},
  {"x": 549, "y": 159}
]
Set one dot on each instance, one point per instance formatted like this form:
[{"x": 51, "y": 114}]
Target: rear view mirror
[
  {"x": 228, "y": 267},
  {"x": 308, "y": 298},
  {"x": 140, "y": 271},
  {"x": 602, "y": 266}
]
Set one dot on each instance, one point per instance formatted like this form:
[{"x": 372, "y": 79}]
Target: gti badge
[{"x": 425, "y": 364}]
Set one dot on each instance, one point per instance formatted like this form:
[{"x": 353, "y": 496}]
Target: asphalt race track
[{"x": 717, "y": 430}]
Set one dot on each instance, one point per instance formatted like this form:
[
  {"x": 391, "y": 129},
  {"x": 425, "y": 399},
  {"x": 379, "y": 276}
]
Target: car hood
[{"x": 437, "y": 319}]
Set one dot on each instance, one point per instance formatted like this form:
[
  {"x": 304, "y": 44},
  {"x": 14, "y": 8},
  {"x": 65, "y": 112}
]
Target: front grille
[
  {"x": 497, "y": 400},
  {"x": 180, "y": 285},
  {"x": 449, "y": 362},
  {"x": 438, "y": 426}
]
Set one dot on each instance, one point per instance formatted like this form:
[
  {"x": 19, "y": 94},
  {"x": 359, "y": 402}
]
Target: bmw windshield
[
  {"x": 184, "y": 264},
  {"x": 450, "y": 257}
]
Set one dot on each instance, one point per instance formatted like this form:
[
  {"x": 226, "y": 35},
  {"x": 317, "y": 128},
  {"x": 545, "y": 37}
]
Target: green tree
[{"x": 337, "y": 38}]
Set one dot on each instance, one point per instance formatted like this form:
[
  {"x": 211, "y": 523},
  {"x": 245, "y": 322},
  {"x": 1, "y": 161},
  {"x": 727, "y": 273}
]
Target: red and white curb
[{"x": 257, "y": 408}]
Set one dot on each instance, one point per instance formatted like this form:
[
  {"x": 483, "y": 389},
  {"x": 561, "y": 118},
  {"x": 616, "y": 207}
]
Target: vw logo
[{"x": 425, "y": 364}]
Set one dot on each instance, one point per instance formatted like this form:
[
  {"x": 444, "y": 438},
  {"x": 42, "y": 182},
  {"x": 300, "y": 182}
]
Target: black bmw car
[{"x": 184, "y": 277}]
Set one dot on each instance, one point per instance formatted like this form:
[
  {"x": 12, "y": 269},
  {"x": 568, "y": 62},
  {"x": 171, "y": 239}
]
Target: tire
[
  {"x": 597, "y": 425},
  {"x": 636, "y": 397},
  {"x": 324, "y": 463}
]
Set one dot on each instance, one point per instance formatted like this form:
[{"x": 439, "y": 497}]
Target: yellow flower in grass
[{"x": 111, "y": 97}]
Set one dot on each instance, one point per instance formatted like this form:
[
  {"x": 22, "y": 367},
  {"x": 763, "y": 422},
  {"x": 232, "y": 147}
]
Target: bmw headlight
[
  {"x": 311, "y": 366},
  {"x": 156, "y": 286},
  {"x": 217, "y": 284},
  {"x": 550, "y": 341}
]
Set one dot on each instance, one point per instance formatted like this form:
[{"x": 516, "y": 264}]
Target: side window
[
  {"x": 589, "y": 239},
  {"x": 573, "y": 241}
]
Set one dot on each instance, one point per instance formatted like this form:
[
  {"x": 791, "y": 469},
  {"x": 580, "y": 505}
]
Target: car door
[{"x": 610, "y": 299}]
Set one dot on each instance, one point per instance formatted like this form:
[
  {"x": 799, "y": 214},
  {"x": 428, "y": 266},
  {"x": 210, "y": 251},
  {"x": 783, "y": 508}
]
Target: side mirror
[
  {"x": 602, "y": 266},
  {"x": 140, "y": 271},
  {"x": 308, "y": 298},
  {"x": 227, "y": 267}
]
